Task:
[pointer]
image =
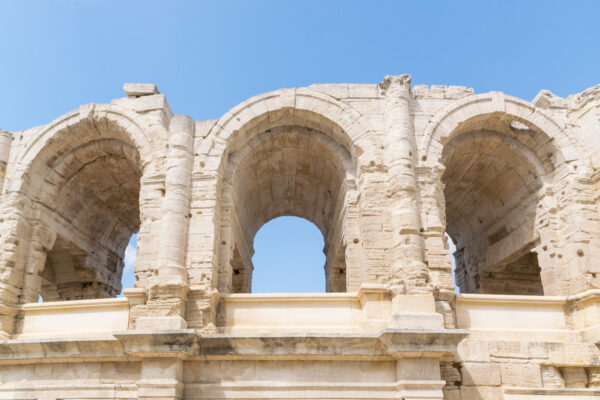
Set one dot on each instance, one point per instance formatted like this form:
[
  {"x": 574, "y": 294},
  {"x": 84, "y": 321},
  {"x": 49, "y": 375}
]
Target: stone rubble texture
[{"x": 384, "y": 171}]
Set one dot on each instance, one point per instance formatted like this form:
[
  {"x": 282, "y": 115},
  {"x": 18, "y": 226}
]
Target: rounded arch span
[
  {"x": 82, "y": 176},
  {"x": 501, "y": 161},
  {"x": 92, "y": 122},
  {"x": 299, "y": 107},
  {"x": 492, "y": 111},
  {"x": 317, "y": 174},
  {"x": 510, "y": 143},
  {"x": 290, "y": 152}
]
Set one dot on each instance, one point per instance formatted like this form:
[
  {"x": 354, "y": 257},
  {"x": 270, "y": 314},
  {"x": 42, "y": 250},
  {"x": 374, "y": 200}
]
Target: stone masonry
[{"x": 386, "y": 171}]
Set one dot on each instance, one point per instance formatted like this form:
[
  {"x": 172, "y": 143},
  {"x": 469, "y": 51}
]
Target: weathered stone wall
[{"x": 385, "y": 171}]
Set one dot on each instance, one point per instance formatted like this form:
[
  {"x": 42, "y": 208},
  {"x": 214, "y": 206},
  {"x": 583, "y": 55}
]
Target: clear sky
[{"x": 209, "y": 56}]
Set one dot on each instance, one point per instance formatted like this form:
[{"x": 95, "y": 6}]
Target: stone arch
[
  {"x": 81, "y": 179},
  {"x": 101, "y": 120},
  {"x": 485, "y": 109},
  {"x": 306, "y": 118},
  {"x": 281, "y": 106},
  {"x": 540, "y": 151}
]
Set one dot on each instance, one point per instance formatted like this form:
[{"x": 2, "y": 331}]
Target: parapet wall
[{"x": 384, "y": 171}]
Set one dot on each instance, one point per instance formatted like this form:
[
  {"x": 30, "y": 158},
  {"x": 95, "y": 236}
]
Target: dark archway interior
[
  {"x": 88, "y": 196},
  {"x": 492, "y": 190}
]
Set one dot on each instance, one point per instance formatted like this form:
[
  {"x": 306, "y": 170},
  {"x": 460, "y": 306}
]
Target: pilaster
[
  {"x": 167, "y": 293},
  {"x": 408, "y": 270}
]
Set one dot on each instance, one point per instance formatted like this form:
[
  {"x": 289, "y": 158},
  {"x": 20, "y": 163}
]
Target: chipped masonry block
[{"x": 140, "y": 89}]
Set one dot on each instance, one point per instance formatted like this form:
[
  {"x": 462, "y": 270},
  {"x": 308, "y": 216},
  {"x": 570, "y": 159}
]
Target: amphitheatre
[{"x": 385, "y": 171}]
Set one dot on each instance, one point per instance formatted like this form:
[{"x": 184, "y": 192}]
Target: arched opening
[
  {"x": 288, "y": 257},
  {"x": 493, "y": 191},
  {"x": 86, "y": 197},
  {"x": 287, "y": 170}
]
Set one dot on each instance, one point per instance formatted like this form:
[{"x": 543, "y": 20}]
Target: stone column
[
  {"x": 409, "y": 283},
  {"x": 167, "y": 295},
  {"x": 174, "y": 224}
]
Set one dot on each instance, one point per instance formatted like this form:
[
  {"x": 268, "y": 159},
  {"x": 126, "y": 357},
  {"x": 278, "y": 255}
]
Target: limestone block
[
  {"x": 508, "y": 349},
  {"x": 573, "y": 353},
  {"x": 480, "y": 393},
  {"x": 358, "y": 90},
  {"x": 575, "y": 377},
  {"x": 140, "y": 89},
  {"x": 593, "y": 377},
  {"x": 120, "y": 372},
  {"x": 477, "y": 374},
  {"x": 451, "y": 394},
  {"x": 418, "y": 368},
  {"x": 551, "y": 377},
  {"x": 526, "y": 375},
  {"x": 538, "y": 350},
  {"x": 339, "y": 91},
  {"x": 474, "y": 350},
  {"x": 157, "y": 323}
]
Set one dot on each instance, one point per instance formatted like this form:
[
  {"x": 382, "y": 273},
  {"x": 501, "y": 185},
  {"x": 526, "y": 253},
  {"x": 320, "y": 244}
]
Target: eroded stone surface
[{"x": 385, "y": 171}]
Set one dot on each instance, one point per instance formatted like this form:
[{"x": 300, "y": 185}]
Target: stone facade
[{"x": 384, "y": 171}]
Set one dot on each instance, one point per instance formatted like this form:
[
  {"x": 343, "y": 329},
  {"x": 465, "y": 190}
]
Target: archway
[
  {"x": 339, "y": 127},
  {"x": 492, "y": 192},
  {"x": 547, "y": 149},
  {"x": 84, "y": 188},
  {"x": 288, "y": 170}
]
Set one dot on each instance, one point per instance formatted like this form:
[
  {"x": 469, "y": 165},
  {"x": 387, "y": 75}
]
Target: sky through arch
[{"x": 288, "y": 257}]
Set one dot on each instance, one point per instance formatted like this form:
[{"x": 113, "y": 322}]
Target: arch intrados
[
  {"x": 265, "y": 111},
  {"x": 459, "y": 140},
  {"x": 92, "y": 122},
  {"x": 81, "y": 158},
  {"x": 294, "y": 117},
  {"x": 537, "y": 182},
  {"x": 109, "y": 146},
  {"x": 117, "y": 199},
  {"x": 251, "y": 233},
  {"x": 455, "y": 119},
  {"x": 342, "y": 154},
  {"x": 342, "y": 166}
]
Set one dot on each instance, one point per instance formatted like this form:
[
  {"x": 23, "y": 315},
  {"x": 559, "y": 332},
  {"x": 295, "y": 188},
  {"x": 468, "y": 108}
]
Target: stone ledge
[
  {"x": 74, "y": 304},
  {"x": 553, "y": 392},
  {"x": 420, "y": 343},
  {"x": 394, "y": 343},
  {"x": 187, "y": 343},
  {"x": 32, "y": 350}
]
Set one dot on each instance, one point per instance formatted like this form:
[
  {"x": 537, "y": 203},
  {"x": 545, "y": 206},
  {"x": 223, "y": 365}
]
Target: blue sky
[{"x": 209, "y": 56}]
